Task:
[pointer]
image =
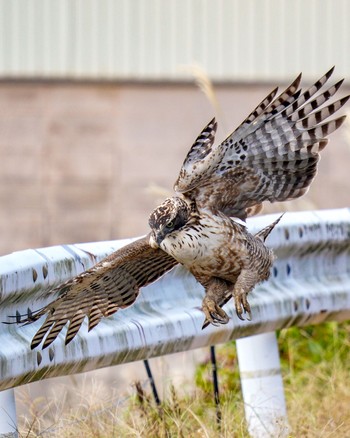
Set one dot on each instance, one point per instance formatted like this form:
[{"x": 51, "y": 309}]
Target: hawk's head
[{"x": 170, "y": 216}]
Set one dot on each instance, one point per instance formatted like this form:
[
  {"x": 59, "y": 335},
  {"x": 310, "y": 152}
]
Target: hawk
[{"x": 272, "y": 156}]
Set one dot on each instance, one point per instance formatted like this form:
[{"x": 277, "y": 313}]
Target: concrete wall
[{"x": 78, "y": 160}]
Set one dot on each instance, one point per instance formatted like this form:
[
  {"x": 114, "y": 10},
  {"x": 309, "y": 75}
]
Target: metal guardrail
[{"x": 309, "y": 284}]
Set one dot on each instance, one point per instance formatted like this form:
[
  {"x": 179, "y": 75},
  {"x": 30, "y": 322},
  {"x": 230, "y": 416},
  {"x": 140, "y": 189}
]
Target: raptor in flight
[{"x": 272, "y": 156}]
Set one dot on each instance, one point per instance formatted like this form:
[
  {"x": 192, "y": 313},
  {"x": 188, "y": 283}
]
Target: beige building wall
[{"x": 78, "y": 160}]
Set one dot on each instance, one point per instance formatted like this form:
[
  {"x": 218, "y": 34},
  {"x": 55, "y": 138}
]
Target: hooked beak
[
  {"x": 155, "y": 241},
  {"x": 152, "y": 242}
]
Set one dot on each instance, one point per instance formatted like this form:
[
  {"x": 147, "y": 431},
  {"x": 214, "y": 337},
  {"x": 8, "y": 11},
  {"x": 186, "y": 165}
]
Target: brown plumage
[
  {"x": 112, "y": 284},
  {"x": 272, "y": 156}
]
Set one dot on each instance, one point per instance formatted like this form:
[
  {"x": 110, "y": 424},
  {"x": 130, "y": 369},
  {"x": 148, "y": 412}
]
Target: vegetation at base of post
[{"x": 315, "y": 365}]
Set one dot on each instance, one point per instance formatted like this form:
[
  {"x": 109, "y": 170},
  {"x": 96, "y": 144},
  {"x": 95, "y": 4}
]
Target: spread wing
[
  {"x": 272, "y": 156},
  {"x": 110, "y": 285}
]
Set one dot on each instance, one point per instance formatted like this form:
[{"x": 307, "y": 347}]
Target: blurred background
[{"x": 100, "y": 101}]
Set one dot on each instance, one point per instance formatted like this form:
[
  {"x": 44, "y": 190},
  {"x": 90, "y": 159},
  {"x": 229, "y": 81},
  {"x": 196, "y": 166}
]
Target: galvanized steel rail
[{"x": 310, "y": 284}]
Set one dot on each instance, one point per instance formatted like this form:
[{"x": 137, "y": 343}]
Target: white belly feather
[{"x": 211, "y": 246}]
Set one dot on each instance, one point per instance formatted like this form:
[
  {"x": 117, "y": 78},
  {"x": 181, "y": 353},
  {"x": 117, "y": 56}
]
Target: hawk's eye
[{"x": 169, "y": 224}]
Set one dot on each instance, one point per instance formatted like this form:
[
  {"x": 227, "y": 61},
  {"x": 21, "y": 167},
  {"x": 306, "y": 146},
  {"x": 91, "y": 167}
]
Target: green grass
[{"x": 316, "y": 371}]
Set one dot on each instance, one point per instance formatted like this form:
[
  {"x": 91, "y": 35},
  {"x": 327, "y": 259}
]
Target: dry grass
[
  {"x": 321, "y": 406},
  {"x": 177, "y": 417},
  {"x": 316, "y": 370}
]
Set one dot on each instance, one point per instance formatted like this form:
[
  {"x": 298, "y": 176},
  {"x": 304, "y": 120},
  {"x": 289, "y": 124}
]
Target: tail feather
[{"x": 263, "y": 234}]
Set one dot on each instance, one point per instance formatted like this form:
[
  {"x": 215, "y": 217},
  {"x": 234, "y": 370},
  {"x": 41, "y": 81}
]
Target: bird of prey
[{"x": 272, "y": 156}]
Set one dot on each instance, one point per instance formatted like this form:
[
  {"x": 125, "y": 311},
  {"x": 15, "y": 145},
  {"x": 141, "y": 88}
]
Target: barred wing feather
[
  {"x": 112, "y": 284},
  {"x": 272, "y": 156}
]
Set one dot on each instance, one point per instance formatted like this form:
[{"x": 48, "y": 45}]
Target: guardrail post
[
  {"x": 262, "y": 385},
  {"x": 8, "y": 417}
]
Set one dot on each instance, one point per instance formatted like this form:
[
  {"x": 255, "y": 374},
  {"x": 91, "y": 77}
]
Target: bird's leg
[
  {"x": 244, "y": 284},
  {"x": 216, "y": 291}
]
